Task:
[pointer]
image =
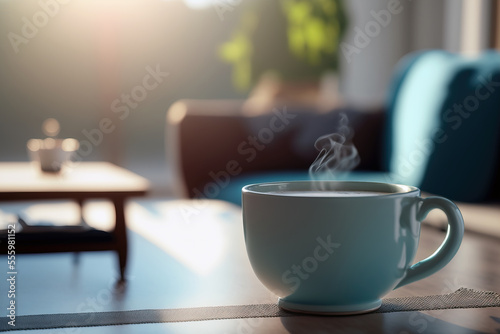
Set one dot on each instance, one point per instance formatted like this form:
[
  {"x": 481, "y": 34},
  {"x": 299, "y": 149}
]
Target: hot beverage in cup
[
  {"x": 340, "y": 249},
  {"x": 331, "y": 193}
]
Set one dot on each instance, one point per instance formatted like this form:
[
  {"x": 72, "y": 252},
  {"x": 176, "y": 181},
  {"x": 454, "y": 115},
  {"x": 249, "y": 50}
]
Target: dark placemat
[{"x": 462, "y": 298}]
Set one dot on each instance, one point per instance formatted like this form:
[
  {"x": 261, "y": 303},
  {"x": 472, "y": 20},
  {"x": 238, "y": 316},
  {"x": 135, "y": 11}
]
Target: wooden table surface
[
  {"x": 192, "y": 254},
  {"x": 25, "y": 181}
]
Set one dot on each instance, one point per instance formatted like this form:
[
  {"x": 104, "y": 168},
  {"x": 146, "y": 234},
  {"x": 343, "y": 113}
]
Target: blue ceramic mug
[{"x": 338, "y": 247}]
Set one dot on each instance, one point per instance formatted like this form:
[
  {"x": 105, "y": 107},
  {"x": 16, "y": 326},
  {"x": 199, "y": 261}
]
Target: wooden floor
[{"x": 160, "y": 277}]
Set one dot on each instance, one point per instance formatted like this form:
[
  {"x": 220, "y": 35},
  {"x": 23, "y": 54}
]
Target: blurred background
[{"x": 77, "y": 61}]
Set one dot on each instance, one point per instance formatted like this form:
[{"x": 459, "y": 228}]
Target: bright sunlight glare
[{"x": 197, "y": 4}]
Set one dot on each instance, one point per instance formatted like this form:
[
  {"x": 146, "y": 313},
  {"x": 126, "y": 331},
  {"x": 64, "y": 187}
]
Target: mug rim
[{"x": 350, "y": 185}]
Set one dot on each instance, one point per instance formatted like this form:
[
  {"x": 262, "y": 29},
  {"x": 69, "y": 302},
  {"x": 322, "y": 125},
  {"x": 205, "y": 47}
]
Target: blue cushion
[{"x": 444, "y": 116}]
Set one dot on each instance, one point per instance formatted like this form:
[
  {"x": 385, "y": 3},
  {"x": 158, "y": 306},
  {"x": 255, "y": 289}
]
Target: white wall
[{"x": 412, "y": 25}]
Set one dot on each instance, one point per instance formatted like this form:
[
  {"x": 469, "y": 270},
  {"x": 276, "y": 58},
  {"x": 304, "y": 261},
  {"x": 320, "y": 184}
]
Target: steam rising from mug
[{"x": 337, "y": 153}]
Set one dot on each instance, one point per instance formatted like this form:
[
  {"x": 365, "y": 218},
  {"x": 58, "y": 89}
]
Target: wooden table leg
[{"x": 121, "y": 235}]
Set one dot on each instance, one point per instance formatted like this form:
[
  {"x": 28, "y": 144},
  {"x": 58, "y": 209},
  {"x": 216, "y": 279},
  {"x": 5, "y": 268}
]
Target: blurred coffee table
[{"x": 23, "y": 181}]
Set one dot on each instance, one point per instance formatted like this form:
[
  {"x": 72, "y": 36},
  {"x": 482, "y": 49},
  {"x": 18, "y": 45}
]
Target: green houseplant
[{"x": 296, "y": 40}]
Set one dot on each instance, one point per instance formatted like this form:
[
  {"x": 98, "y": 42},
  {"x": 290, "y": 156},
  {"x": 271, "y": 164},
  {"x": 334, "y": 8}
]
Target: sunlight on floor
[
  {"x": 64, "y": 213},
  {"x": 98, "y": 214},
  {"x": 188, "y": 231}
]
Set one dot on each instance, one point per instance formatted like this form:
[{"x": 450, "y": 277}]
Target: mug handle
[{"x": 448, "y": 248}]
